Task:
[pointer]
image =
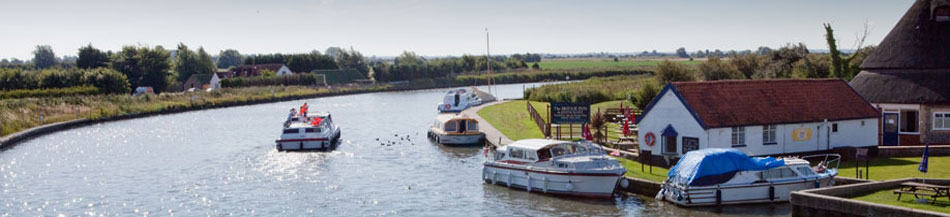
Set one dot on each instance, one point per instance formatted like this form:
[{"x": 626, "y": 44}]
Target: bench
[{"x": 923, "y": 189}]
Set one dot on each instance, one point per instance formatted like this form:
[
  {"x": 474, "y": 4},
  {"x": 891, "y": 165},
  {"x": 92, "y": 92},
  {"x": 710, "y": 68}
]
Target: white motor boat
[
  {"x": 555, "y": 167},
  {"x": 460, "y": 99},
  {"x": 316, "y": 131},
  {"x": 452, "y": 129},
  {"x": 718, "y": 176}
]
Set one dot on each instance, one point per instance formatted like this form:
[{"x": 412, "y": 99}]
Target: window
[
  {"x": 690, "y": 143},
  {"x": 472, "y": 126},
  {"x": 312, "y": 130},
  {"x": 834, "y": 127},
  {"x": 805, "y": 171},
  {"x": 738, "y": 136},
  {"x": 778, "y": 173},
  {"x": 908, "y": 121},
  {"x": 768, "y": 135},
  {"x": 942, "y": 14},
  {"x": 941, "y": 120},
  {"x": 517, "y": 153},
  {"x": 291, "y": 131},
  {"x": 451, "y": 126},
  {"x": 669, "y": 144}
]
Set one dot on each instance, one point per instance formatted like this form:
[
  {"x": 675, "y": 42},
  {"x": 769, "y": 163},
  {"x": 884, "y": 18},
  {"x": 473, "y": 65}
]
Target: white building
[{"x": 759, "y": 117}]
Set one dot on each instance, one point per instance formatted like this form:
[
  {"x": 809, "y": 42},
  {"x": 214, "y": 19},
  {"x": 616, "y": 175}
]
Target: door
[{"x": 890, "y": 129}]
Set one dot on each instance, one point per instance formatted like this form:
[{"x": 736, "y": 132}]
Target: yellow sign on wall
[{"x": 801, "y": 134}]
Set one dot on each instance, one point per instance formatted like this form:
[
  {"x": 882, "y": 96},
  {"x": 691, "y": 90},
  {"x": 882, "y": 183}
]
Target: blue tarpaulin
[{"x": 717, "y": 165}]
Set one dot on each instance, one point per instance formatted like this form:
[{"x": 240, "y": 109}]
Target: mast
[{"x": 488, "y": 56}]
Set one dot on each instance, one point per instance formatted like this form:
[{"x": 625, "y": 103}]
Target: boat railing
[{"x": 825, "y": 159}]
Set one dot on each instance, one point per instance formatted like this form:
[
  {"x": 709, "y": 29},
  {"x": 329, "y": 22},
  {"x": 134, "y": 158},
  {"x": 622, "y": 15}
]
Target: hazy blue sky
[{"x": 386, "y": 28}]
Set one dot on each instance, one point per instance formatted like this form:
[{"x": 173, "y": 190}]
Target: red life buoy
[
  {"x": 650, "y": 139},
  {"x": 447, "y": 106}
]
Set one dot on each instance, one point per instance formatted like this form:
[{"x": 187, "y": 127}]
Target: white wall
[
  {"x": 851, "y": 133},
  {"x": 669, "y": 110},
  {"x": 215, "y": 82},
  {"x": 283, "y": 71}
]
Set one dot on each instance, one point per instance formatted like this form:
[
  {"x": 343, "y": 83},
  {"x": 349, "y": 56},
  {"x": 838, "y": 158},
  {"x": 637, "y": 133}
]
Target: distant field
[{"x": 604, "y": 63}]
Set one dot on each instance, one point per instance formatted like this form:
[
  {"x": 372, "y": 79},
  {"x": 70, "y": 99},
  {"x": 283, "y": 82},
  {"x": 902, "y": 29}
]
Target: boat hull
[
  {"x": 755, "y": 193},
  {"x": 464, "y": 139},
  {"x": 598, "y": 185},
  {"x": 304, "y": 144}
]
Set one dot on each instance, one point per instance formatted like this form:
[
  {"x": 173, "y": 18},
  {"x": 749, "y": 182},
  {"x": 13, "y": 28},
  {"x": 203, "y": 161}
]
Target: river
[{"x": 223, "y": 162}]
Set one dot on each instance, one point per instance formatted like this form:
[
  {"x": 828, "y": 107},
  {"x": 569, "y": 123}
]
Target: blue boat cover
[{"x": 712, "y": 166}]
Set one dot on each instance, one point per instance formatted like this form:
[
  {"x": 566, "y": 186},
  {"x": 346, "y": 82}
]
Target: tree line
[{"x": 409, "y": 66}]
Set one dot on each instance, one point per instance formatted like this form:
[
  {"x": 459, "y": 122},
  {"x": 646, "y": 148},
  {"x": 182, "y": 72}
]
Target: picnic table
[{"x": 921, "y": 189}]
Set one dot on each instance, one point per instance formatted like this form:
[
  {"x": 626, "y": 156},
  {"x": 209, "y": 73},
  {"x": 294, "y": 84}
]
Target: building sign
[
  {"x": 801, "y": 134},
  {"x": 570, "y": 113}
]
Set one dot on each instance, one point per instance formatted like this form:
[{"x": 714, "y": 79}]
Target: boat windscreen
[{"x": 291, "y": 131}]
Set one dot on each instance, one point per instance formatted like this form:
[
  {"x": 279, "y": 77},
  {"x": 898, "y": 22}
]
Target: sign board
[
  {"x": 570, "y": 113},
  {"x": 801, "y": 134},
  {"x": 861, "y": 154}
]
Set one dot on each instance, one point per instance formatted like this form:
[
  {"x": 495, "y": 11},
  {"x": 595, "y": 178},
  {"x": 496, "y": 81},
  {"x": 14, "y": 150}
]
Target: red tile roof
[{"x": 759, "y": 102}]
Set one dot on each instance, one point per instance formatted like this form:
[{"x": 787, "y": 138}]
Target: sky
[{"x": 438, "y": 28}]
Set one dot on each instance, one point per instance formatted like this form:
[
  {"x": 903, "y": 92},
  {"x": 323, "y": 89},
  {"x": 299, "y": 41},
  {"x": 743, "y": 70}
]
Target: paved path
[{"x": 491, "y": 134}]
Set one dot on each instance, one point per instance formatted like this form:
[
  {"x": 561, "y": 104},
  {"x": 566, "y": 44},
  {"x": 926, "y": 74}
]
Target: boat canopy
[{"x": 717, "y": 165}]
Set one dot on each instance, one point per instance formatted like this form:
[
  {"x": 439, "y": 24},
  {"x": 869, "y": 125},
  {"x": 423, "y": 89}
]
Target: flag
[
  {"x": 923, "y": 160},
  {"x": 587, "y": 134}
]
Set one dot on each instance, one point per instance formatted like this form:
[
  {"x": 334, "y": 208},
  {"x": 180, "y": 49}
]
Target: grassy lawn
[
  {"x": 598, "y": 89},
  {"x": 896, "y": 168},
  {"x": 633, "y": 170},
  {"x": 511, "y": 119},
  {"x": 604, "y": 63},
  {"x": 888, "y": 197}
]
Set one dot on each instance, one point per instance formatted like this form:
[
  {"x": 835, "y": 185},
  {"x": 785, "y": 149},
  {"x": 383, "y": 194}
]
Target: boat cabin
[
  {"x": 452, "y": 124},
  {"x": 542, "y": 150}
]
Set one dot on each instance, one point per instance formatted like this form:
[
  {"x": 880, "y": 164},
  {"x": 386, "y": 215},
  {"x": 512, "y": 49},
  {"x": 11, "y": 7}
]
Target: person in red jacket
[{"x": 303, "y": 110}]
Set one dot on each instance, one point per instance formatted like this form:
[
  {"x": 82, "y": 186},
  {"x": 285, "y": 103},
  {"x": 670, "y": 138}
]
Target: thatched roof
[
  {"x": 912, "y": 64},
  {"x": 918, "y": 41}
]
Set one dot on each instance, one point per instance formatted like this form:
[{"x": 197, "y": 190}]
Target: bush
[
  {"x": 668, "y": 71},
  {"x": 104, "y": 79},
  {"x": 52, "y": 92},
  {"x": 296, "y": 79}
]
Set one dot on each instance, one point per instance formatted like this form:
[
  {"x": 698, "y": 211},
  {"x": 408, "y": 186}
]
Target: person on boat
[
  {"x": 820, "y": 168},
  {"x": 290, "y": 117},
  {"x": 303, "y": 110}
]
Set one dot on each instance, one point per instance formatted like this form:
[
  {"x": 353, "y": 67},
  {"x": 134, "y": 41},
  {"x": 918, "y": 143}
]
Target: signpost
[{"x": 570, "y": 113}]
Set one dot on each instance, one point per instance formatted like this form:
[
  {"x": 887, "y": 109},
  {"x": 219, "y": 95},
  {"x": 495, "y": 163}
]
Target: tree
[
  {"x": 714, "y": 69},
  {"x": 645, "y": 95},
  {"x": 352, "y": 59},
  {"x": 43, "y": 57},
  {"x": 333, "y": 52},
  {"x": 668, "y": 71},
  {"x": 144, "y": 66},
  {"x": 186, "y": 63},
  {"x": 843, "y": 68},
  {"x": 681, "y": 52},
  {"x": 746, "y": 64},
  {"x": 205, "y": 62},
  {"x": 90, "y": 57},
  {"x": 229, "y": 58},
  {"x": 535, "y": 66}
]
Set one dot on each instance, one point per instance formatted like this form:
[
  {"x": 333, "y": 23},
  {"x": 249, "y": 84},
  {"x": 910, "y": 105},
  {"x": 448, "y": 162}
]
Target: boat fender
[
  {"x": 771, "y": 192},
  {"x": 569, "y": 186},
  {"x": 817, "y": 184},
  {"x": 624, "y": 183},
  {"x": 718, "y": 196},
  {"x": 447, "y": 106}
]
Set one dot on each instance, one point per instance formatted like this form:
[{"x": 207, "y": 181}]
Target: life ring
[
  {"x": 447, "y": 106},
  {"x": 650, "y": 139}
]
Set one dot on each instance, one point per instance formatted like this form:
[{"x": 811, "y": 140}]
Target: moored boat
[
  {"x": 452, "y": 129},
  {"x": 554, "y": 167},
  {"x": 717, "y": 176},
  {"x": 460, "y": 99},
  {"x": 315, "y": 131}
]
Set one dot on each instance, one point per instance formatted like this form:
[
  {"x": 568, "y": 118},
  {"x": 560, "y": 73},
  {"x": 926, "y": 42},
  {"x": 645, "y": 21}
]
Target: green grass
[
  {"x": 888, "y": 197},
  {"x": 896, "y": 168},
  {"x": 633, "y": 170},
  {"x": 603, "y": 63},
  {"x": 592, "y": 90},
  {"x": 511, "y": 119}
]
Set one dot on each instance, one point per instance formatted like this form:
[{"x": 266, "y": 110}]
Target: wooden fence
[{"x": 545, "y": 127}]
